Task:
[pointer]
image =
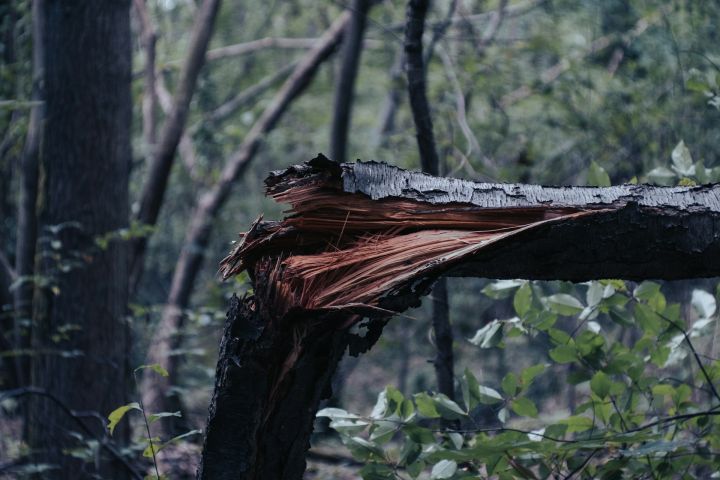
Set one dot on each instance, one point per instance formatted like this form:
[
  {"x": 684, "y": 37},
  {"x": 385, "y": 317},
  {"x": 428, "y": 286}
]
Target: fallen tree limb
[{"x": 368, "y": 240}]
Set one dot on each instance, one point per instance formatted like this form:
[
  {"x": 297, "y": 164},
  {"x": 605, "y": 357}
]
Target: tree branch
[
  {"x": 153, "y": 191},
  {"x": 345, "y": 87}
]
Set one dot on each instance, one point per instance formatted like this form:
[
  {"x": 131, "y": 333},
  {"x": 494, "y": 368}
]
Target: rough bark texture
[
  {"x": 153, "y": 191},
  {"x": 267, "y": 390},
  {"x": 279, "y": 349},
  {"x": 166, "y": 337},
  {"x": 79, "y": 316},
  {"x": 345, "y": 88}
]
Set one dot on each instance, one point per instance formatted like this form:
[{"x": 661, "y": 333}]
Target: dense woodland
[{"x": 135, "y": 138}]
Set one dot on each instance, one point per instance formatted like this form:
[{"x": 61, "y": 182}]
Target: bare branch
[
  {"x": 210, "y": 203},
  {"x": 153, "y": 191}
]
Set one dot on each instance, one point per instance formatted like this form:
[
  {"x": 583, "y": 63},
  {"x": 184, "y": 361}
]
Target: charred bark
[
  {"x": 366, "y": 240},
  {"x": 270, "y": 379}
]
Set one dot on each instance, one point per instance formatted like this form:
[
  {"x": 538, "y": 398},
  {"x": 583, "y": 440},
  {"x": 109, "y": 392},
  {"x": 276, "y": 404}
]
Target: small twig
[
  {"x": 147, "y": 426},
  {"x": 695, "y": 354}
]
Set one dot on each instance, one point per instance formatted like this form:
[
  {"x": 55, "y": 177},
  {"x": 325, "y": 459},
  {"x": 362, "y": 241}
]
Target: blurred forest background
[{"x": 553, "y": 92}]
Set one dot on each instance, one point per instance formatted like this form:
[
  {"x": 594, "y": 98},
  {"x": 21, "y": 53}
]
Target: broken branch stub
[{"x": 360, "y": 232}]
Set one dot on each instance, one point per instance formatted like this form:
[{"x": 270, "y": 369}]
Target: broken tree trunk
[{"x": 366, "y": 240}]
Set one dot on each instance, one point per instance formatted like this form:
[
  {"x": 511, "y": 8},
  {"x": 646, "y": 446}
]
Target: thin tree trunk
[
  {"x": 345, "y": 87},
  {"x": 153, "y": 191},
  {"x": 150, "y": 98},
  {"x": 166, "y": 337},
  {"x": 26, "y": 216},
  {"x": 416, "y": 75},
  {"x": 85, "y": 160},
  {"x": 386, "y": 123}
]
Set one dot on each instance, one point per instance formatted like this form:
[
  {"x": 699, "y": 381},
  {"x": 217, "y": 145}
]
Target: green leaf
[
  {"x": 117, "y": 415},
  {"x": 377, "y": 471},
  {"x": 501, "y": 288},
  {"x": 509, "y": 384},
  {"x": 448, "y": 408},
  {"x": 563, "y": 354},
  {"x": 443, "y": 469},
  {"x": 682, "y": 160},
  {"x": 597, "y": 176},
  {"x": 564, "y": 304},
  {"x": 661, "y": 176},
  {"x": 648, "y": 320},
  {"x": 157, "y": 445},
  {"x": 646, "y": 290},
  {"x": 523, "y": 300},
  {"x": 600, "y": 384},
  {"x": 529, "y": 374},
  {"x": 524, "y": 407},
  {"x": 488, "y": 336},
  {"x": 488, "y": 395},
  {"x": 426, "y": 405},
  {"x": 703, "y": 303},
  {"x": 577, "y": 423},
  {"x": 155, "y": 367},
  {"x": 154, "y": 417}
]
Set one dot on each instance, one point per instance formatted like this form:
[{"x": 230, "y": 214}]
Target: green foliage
[{"x": 638, "y": 411}]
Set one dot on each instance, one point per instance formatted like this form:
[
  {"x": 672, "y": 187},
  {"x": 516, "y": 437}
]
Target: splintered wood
[{"x": 341, "y": 250}]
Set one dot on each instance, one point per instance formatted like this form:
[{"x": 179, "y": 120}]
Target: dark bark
[
  {"x": 416, "y": 75},
  {"x": 266, "y": 392},
  {"x": 644, "y": 232},
  {"x": 414, "y": 27},
  {"x": 84, "y": 162},
  {"x": 276, "y": 358},
  {"x": 26, "y": 215},
  {"x": 345, "y": 86},
  {"x": 166, "y": 337},
  {"x": 153, "y": 191}
]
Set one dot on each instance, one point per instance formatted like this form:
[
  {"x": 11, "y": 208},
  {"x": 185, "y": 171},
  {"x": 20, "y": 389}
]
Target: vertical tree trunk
[
  {"x": 79, "y": 315},
  {"x": 345, "y": 88},
  {"x": 26, "y": 216},
  {"x": 416, "y": 69}
]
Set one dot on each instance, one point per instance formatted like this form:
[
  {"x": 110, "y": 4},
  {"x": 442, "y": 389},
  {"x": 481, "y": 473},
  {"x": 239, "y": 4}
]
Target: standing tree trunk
[
  {"x": 417, "y": 89},
  {"x": 27, "y": 220},
  {"x": 345, "y": 88},
  {"x": 80, "y": 329}
]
